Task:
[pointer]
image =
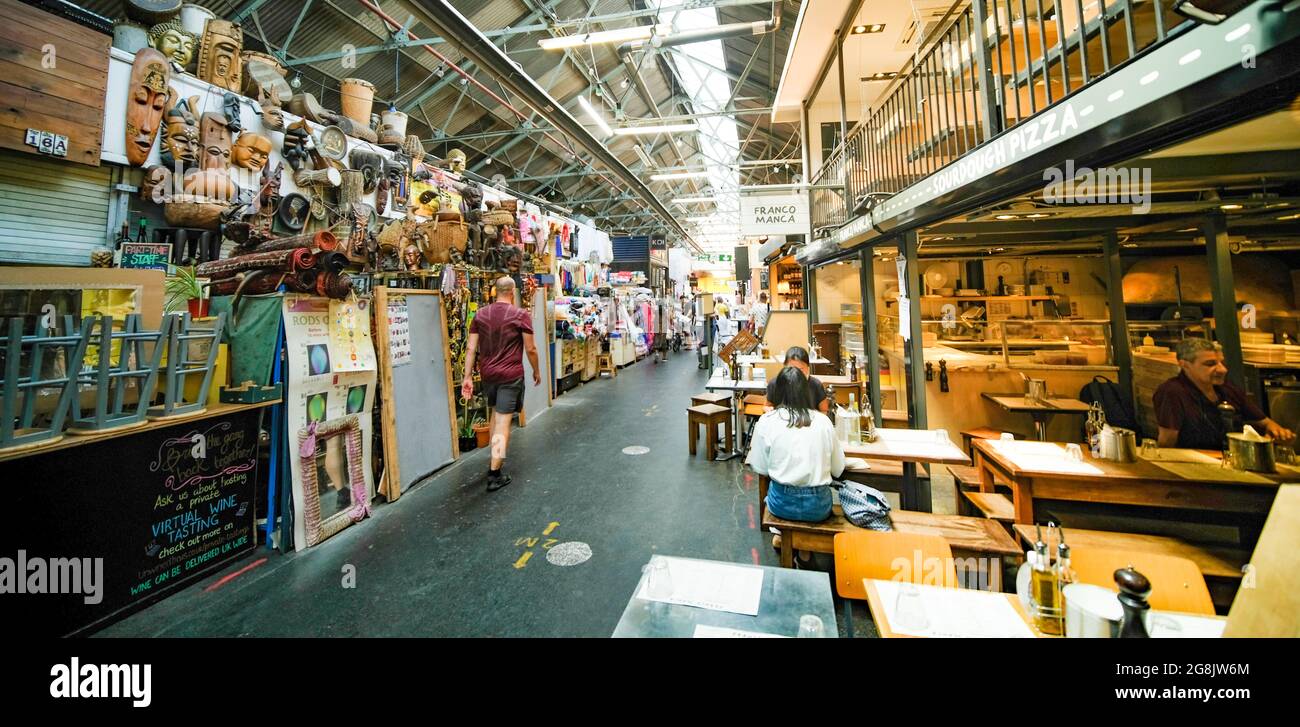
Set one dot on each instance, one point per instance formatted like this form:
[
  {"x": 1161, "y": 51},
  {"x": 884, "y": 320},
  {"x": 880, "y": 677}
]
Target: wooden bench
[
  {"x": 1221, "y": 565},
  {"x": 992, "y": 505},
  {"x": 968, "y": 537},
  {"x": 884, "y": 475},
  {"x": 708, "y": 416},
  {"x": 979, "y": 433}
]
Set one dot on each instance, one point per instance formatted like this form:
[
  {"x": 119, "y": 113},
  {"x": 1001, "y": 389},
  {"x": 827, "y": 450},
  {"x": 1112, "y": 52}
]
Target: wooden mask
[
  {"x": 370, "y": 164},
  {"x": 215, "y": 137},
  {"x": 180, "y": 134},
  {"x": 174, "y": 41},
  {"x": 251, "y": 152},
  {"x": 144, "y": 108},
  {"x": 219, "y": 61}
]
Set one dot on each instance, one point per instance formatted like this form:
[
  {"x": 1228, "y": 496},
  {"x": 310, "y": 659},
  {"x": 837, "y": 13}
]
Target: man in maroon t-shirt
[
  {"x": 1187, "y": 406},
  {"x": 503, "y": 334}
]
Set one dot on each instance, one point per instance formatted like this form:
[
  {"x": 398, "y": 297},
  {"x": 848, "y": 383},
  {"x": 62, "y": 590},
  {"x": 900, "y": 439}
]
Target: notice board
[
  {"x": 149, "y": 511},
  {"x": 537, "y": 399},
  {"x": 419, "y": 414}
]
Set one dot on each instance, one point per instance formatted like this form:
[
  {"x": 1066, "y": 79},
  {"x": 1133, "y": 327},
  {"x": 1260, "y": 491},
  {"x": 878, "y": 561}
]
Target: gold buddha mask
[
  {"x": 144, "y": 109},
  {"x": 174, "y": 41},
  {"x": 456, "y": 161}
]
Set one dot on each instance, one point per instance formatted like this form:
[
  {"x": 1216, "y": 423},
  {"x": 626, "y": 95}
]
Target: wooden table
[
  {"x": 751, "y": 358},
  {"x": 1041, "y": 469},
  {"x": 1040, "y": 411},
  {"x": 878, "y": 611},
  {"x": 911, "y": 447},
  {"x": 738, "y": 389}
]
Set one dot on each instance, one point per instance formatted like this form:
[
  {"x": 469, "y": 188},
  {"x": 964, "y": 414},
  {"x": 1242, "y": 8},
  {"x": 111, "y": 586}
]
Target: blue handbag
[{"x": 864, "y": 506}]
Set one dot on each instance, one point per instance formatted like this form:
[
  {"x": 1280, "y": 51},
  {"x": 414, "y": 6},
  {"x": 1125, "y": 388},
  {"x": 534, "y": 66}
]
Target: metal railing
[{"x": 990, "y": 66}]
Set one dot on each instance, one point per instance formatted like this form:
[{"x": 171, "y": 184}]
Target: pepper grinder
[
  {"x": 929, "y": 371},
  {"x": 943, "y": 376},
  {"x": 1133, "y": 591}
]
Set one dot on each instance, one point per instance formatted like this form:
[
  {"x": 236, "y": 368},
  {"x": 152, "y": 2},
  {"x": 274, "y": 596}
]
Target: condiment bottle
[{"x": 1044, "y": 592}]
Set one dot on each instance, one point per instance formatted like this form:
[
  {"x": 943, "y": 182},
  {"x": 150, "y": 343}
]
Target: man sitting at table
[
  {"x": 1187, "y": 405},
  {"x": 797, "y": 358}
]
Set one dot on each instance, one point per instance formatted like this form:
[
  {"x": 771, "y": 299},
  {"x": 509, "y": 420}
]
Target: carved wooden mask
[
  {"x": 215, "y": 137},
  {"x": 144, "y": 108},
  {"x": 251, "y": 152},
  {"x": 219, "y": 61},
  {"x": 180, "y": 140},
  {"x": 174, "y": 41}
]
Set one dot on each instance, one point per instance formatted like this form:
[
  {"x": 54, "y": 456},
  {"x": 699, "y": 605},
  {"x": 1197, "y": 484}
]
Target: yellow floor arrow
[
  {"x": 523, "y": 560},
  {"x": 550, "y": 528}
]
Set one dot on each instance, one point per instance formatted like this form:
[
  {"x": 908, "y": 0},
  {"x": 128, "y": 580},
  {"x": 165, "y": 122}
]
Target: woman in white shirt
[{"x": 795, "y": 447}]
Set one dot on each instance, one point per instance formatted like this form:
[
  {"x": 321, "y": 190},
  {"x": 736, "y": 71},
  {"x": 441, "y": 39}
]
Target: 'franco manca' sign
[{"x": 774, "y": 214}]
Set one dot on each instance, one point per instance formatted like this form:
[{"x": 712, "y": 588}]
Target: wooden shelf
[{"x": 990, "y": 297}]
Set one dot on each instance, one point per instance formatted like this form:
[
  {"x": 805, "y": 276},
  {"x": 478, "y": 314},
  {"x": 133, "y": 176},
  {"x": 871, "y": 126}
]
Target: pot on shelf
[
  {"x": 357, "y": 98},
  {"x": 199, "y": 307},
  {"x": 467, "y": 444},
  {"x": 194, "y": 18},
  {"x": 482, "y": 434}
]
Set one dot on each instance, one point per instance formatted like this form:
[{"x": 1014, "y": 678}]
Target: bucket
[
  {"x": 358, "y": 96},
  {"x": 129, "y": 36},
  {"x": 392, "y": 129},
  {"x": 194, "y": 18}
]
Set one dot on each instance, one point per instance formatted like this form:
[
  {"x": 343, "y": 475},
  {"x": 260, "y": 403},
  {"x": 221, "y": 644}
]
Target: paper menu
[
  {"x": 703, "y": 584},
  {"x": 717, "y": 632},
  {"x": 936, "y": 612},
  {"x": 1042, "y": 457}
]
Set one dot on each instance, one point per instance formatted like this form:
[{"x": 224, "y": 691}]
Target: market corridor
[{"x": 441, "y": 561}]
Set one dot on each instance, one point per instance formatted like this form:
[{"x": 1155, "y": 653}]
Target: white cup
[
  {"x": 1073, "y": 452},
  {"x": 1008, "y": 437}
]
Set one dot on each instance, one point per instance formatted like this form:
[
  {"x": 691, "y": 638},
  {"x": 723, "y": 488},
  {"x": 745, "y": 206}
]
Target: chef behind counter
[{"x": 1191, "y": 408}]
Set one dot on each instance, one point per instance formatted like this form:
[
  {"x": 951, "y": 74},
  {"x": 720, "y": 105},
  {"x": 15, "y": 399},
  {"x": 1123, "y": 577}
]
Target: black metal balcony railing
[{"x": 992, "y": 65}]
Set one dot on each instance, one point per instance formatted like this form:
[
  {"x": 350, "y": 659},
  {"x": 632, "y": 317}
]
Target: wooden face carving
[
  {"x": 144, "y": 107},
  {"x": 251, "y": 151},
  {"x": 215, "y": 137},
  {"x": 219, "y": 61},
  {"x": 180, "y": 140}
]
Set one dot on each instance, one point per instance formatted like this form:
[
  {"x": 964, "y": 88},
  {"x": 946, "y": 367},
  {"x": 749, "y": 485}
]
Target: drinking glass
[
  {"x": 658, "y": 583},
  {"x": 909, "y": 611},
  {"x": 811, "y": 627},
  {"x": 1226, "y": 463},
  {"x": 1073, "y": 452},
  {"x": 941, "y": 436},
  {"x": 1150, "y": 449},
  {"x": 1008, "y": 437}
]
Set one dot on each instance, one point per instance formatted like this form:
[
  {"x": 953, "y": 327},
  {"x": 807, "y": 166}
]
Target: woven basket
[
  {"x": 509, "y": 205},
  {"x": 449, "y": 236},
  {"x": 498, "y": 217}
]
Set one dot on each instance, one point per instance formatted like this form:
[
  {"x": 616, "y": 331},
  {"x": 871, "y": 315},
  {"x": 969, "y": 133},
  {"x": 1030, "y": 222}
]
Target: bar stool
[
  {"x": 605, "y": 365},
  {"x": 710, "y": 397},
  {"x": 709, "y": 416}
]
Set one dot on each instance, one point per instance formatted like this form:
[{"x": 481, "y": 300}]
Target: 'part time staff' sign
[{"x": 774, "y": 214}]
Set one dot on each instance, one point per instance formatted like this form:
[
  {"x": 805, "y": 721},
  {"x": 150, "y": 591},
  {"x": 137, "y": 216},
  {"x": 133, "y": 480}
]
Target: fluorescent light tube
[
  {"x": 619, "y": 35},
  {"x": 678, "y": 175},
  {"x": 661, "y": 129},
  {"x": 595, "y": 116},
  {"x": 694, "y": 200}
]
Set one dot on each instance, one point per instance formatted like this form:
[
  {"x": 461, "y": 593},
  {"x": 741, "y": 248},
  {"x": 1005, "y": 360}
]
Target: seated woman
[{"x": 795, "y": 447}]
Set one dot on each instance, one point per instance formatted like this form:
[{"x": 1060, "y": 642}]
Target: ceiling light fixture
[
  {"x": 661, "y": 129},
  {"x": 884, "y": 76},
  {"x": 695, "y": 200},
  {"x": 863, "y": 29},
  {"x": 678, "y": 175},
  {"x": 595, "y": 116},
  {"x": 620, "y": 35},
  {"x": 1005, "y": 217},
  {"x": 1230, "y": 207}
]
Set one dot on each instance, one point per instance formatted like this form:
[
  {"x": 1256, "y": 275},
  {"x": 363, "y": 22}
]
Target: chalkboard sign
[
  {"x": 146, "y": 255},
  {"x": 101, "y": 530}
]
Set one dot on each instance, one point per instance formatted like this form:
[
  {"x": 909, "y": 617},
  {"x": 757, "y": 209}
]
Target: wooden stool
[
  {"x": 710, "y": 416},
  {"x": 719, "y": 398},
  {"x": 605, "y": 365}
]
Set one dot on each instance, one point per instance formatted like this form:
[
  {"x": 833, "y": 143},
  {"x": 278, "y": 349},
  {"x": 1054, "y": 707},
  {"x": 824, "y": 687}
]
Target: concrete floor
[{"x": 441, "y": 561}]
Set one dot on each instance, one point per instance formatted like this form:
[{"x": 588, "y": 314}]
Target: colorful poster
[
  {"x": 331, "y": 374},
  {"x": 399, "y": 331}
]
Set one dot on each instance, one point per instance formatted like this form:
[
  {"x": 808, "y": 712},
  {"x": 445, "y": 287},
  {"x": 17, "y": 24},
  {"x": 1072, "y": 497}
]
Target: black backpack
[{"x": 1110, "y": 396}]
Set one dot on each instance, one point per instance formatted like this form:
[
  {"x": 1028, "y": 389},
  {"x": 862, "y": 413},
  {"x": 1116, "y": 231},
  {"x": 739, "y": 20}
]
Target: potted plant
[
  {"x": 482, "y": 432},
  {"x": 465, "y": 431},
  {"x": 183, "y": 286}
]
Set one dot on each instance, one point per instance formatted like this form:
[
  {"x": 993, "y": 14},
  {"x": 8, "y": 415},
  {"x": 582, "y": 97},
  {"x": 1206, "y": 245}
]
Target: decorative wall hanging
[
  {"x": 332, "y": 143},
  {"x": 214, "y": 135},
  {"x": 456, "y": 161},
  {"x": 294, "y": 149},
  {"x": 219, "y": 62},
  {"x": 251, "y": 152},
  {"x": 370, "y": 164},
  {"x": 293, "y": 211},
  {"x": 414, "y": 148},
  {"x": 272, "y": 115},
  {"x": 306, "y": 106},
  {"x": 333, "y": 479},
  {"x": 180, "y": 133},
  {"x": 264, "y": 78},
  {"x": 150, "y": 74},
  {"x": 172, "y": 40},
  {"x": 357, "y": 98},
  {"x": 231, "y": 107}
]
